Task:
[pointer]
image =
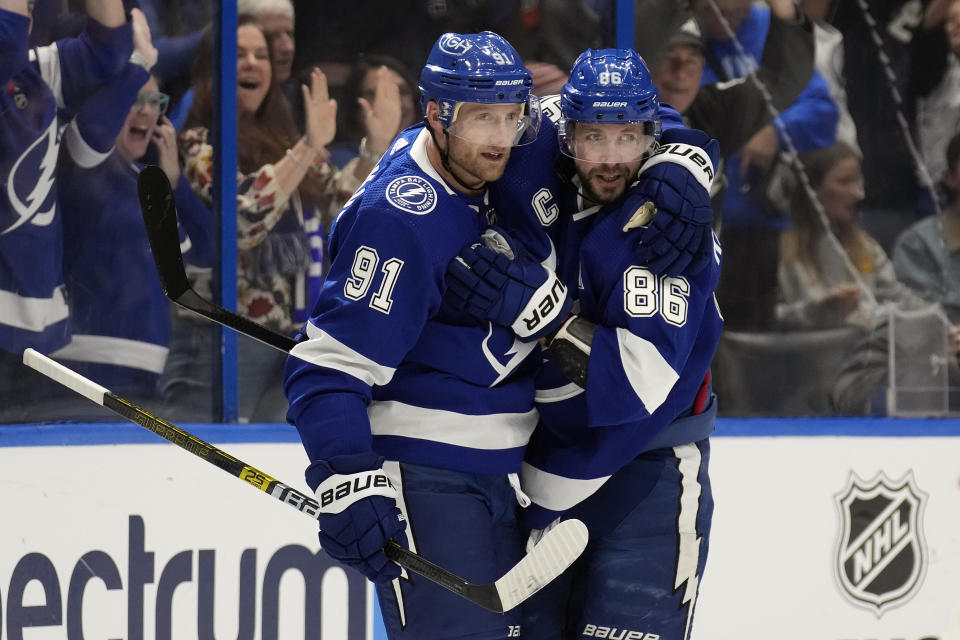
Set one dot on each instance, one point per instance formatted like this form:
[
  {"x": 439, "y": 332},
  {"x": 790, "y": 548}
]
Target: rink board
[{"x": 112, "y": 532}]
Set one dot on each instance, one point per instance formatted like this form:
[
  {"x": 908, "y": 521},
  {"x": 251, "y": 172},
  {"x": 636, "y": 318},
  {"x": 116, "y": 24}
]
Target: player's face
[
  {"x": 841, "y": 191},
  {"x": 481, "y": 137},
  {"x": 138, "y": 128},
  {"x": 253, "y": 69},
  {"x": 608, "y": 157},
  {"x": 279, "y": 30},
  {"x": 678, "y": 75}
]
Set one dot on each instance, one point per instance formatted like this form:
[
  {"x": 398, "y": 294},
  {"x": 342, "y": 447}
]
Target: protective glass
[
  {"x": 607, "y": 143},
  {"x": 155, "y": 100},
  {"x": 497, "y": 125}
]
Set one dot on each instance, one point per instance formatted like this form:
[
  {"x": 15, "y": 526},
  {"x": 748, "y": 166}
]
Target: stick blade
[
  {"x": 556, "y": 551},
  {"x": 160, "y": 217}
]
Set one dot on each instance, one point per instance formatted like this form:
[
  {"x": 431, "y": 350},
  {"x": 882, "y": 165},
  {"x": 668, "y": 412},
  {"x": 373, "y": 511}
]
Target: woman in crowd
[
  {"x": 287, "y": 192},
  {"x": 824, "y": 272}
]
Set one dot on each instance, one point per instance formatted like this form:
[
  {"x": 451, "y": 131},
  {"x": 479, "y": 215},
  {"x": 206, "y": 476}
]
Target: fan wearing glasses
[{"x": 115, "y": 297}]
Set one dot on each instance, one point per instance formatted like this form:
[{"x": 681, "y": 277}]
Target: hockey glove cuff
[
  {"x": 678, "y": 239},
  {"x": 358, "y": 513}
]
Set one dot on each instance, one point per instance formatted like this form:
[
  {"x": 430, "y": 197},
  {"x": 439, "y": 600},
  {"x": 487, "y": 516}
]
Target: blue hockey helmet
[
  {"x": 609, "y": 87},
  {"x": 479, "y": 68}
]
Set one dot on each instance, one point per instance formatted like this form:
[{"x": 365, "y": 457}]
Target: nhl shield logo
[{"x": 881, "y": 554}]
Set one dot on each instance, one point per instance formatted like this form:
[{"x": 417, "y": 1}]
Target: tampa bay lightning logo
[
  {"x": 453, "y": 44},
  {"x": 30, "y": 182},
  {"x": 412, "y": 194}
]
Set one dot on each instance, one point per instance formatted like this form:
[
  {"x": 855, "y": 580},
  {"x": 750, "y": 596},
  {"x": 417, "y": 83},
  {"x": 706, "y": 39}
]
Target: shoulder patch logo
[
  {"x": 412, "y": 194},
  {"x": 881, "y": 554}
]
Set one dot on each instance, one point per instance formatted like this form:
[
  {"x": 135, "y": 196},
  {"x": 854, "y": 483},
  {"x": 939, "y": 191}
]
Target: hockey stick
[
  {"x": 556, "y": 551},
  {"x": 160, "y": 217}
]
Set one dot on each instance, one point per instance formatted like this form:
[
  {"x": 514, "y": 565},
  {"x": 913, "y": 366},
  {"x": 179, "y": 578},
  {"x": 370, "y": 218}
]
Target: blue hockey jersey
[
  {"x": 381, "y": 365},
  {"x": 38, "y": 85},
  {"x": 656, "y": 338},
  {"x": 653, "y": 345},
  {"x": 120, "y": 317}
]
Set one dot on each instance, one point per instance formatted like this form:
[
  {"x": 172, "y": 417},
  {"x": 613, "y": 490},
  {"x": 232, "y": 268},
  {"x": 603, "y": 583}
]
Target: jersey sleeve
[
  {"x": 14, "y": 43},
  {"x": 74, "y": 67},
  {"x": 91, "y": 134},
  {"x": 380, "y": 291},
  {"x": 812, "y": 119}
]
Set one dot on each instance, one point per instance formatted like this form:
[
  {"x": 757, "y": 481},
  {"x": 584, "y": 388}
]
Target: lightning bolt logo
[
  {"x": 515, "y": 355},
  {"x": 413, "y": 194},
  {"x": 28, "y": 209}
]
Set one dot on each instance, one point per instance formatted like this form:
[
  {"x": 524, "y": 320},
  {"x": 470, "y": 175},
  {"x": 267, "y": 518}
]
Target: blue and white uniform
[
  {"x": 628, "y": 455},
  {"x": 119, "y": 314},
  {"x": 39, "y": 87},
  {"x": 436, "y": 392},
  {"x": 449, "y": 406}
]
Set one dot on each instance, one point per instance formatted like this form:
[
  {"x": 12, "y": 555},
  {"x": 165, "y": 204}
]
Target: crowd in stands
[{"x": 837, "y": 204}]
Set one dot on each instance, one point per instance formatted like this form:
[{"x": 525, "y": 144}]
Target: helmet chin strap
[{"x": 445, "y": 159}]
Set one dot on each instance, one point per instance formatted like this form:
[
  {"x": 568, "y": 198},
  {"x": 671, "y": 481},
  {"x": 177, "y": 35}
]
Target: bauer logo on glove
[
  {"x": 695, "y": 159},
  {"x": 338, "y": 492},
  {"x": 542, "y": 307}
]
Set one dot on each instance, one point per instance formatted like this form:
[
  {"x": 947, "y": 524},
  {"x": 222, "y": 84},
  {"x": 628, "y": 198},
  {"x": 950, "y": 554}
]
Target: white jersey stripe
[
  {"x": 32, "y": 314},
  {"x": 110, "y": 350},
  {"x": 324, "y": 350},
  {"x": 82, "y": 153},
  {"x": 649, "y": 374},
  {"x": 47, "y": 60},
  {"x": 558, "y": 394},
  {"x": 688, "y": 553},
  {"x": 488, "y": 432},
  {"x": 554, "y": 492}
]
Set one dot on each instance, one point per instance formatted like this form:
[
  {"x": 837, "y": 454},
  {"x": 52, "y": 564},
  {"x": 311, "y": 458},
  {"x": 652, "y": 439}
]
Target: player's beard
[
  {"x": 605, "y": 183},
  {"x": 476, "y": 164}
]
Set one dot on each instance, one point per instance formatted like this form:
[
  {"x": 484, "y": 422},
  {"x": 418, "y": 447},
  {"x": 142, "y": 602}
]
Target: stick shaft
[{"x": 219, "y": 458}]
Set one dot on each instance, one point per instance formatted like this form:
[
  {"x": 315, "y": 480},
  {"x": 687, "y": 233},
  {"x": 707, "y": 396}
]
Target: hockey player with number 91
[{"x": 383, "y": 372}]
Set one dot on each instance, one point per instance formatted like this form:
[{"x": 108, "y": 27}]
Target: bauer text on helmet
[{"x": 609, "y": 108}]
